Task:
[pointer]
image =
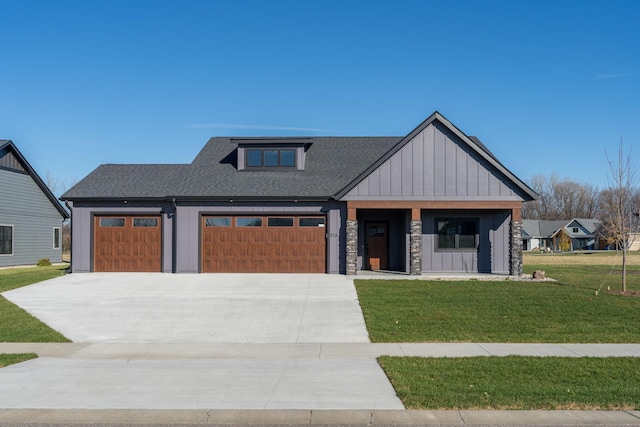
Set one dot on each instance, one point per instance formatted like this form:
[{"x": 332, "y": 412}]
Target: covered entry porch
[{"x": 413, "y": 237}]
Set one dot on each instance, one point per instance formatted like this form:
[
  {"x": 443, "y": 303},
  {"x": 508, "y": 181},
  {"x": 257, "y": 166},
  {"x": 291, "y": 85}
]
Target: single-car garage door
[
  {"x": 127, "y": 243},
  {"x": 263, "y": 244}
]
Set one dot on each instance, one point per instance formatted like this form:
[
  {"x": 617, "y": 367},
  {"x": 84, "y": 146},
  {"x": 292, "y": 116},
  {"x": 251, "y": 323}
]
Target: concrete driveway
[
  {"x": 191, "y": 311},
  {"x": 207, "y": 308}
]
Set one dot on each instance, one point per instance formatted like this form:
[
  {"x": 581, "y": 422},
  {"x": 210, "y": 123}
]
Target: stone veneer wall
[
  {"x": 352, "y": 247},
  {"x": 516, "y": 248},
  {"x": 415, "y": 248}
]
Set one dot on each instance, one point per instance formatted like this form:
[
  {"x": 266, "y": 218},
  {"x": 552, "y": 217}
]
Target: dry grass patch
[{"x": 610, "y": 258}]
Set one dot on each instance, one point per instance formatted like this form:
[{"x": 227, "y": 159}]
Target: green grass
[
  {"x": 505, "y": 311},
  {"x": 10, "y": 359},
  {"x": 515, "y": 382},
  {"x": 12, "y": 278},
  {"x": 16, "y": 325}
]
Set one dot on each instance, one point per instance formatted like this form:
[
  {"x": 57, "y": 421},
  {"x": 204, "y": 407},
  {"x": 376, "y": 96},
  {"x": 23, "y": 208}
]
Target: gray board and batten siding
[
  {"x": 435, "y": 165},
  {"x": 28, "y": 209}
]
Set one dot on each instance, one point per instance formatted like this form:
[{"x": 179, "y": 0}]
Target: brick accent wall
[
  {"x": 415, "y": 248},
  {"x": 352, "y": 247},
  {"x": 516, "y": 248}
]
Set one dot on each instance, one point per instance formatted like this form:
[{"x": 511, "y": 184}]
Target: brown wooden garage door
[
  {"x": 263, "y": 244},
  {"x": 127, "y": 243}
]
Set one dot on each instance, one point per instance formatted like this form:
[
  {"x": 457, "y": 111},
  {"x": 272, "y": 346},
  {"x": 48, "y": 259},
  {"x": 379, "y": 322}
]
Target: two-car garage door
[{"x": 263, "y": 244}]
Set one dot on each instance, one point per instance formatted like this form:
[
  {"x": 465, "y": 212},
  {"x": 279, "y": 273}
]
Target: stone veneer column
[
  {"x": 415, "y": 248},
  {"x": 352, "y": 247},
  {"x": 516, "y": 248}
]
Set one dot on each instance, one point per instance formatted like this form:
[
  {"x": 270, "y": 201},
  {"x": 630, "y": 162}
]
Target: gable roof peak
[
  {"x": 473, "y": 143},
  {"x": 10, "y": 145}
]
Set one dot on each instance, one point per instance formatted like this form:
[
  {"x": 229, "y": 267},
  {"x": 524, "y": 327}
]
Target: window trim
[
  {"x": 456, "y": 243},
  {"x": 57, "y": 242},
  {"x": 13, "y": 235}
]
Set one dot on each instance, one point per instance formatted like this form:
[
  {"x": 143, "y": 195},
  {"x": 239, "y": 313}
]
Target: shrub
[{"x": 44, "y": 262}]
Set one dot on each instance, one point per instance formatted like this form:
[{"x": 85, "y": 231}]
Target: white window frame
[
  {"x": 13, "y": 239},
  {"x": 59, "y": 238}
]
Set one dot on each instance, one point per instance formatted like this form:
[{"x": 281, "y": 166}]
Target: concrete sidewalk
[
  {"x": 313, "y": 350},
  {"x": 319, "y": 417}
]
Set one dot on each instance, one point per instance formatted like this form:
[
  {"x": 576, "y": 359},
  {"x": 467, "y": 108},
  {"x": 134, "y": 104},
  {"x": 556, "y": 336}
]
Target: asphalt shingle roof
[{"x": 331, "y": 163}]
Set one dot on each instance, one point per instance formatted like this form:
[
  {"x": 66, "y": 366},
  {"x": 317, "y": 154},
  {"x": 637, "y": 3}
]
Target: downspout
[
  {"x": 174, "y": 242},
  {"x": 66, "y": 202}
]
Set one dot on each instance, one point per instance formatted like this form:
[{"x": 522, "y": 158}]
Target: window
[
  {"x": 270, "y": 158},
  {"x": 575, "y": 229},
  {"x": 248, "y": 222},
  {"x": 111, "y": 222},
  {"x": 280, "y": 222},
  {"x": 56, "y": 238},
  {"x": 6, "y": 240},
  {"x": 457, "y": 234},
  {"x": 311, "y": 222},
  {"x": 218, "y": 222},
  {"x": 145, "y": 222}
]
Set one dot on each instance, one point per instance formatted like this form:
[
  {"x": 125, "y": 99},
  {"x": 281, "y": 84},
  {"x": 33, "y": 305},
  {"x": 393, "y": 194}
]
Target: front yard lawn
[
  {"x": 515, "y": 382},
  {"x": 12, "y": 278},
  {"x": 503, "y": 311},
  {"x": 16, "y": 325}
]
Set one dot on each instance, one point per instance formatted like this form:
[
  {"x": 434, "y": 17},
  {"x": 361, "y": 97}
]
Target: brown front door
[{"x": 377, "y": 246}]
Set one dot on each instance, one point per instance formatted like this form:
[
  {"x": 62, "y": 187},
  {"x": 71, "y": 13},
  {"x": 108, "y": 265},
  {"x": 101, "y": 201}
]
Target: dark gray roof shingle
[{"x": 331, "y": 163}]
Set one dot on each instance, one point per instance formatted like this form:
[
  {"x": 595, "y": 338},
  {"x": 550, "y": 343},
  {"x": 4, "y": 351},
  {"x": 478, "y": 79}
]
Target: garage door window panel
[
  {"x": 145, "y": 222},
  {"x": 218, "y": 222},
  {"x": 112, "y": 222},
  {"x": 311, "y": 222},
  {"x": 280, "y": 222},
  {"x": 248, "y": 222}
]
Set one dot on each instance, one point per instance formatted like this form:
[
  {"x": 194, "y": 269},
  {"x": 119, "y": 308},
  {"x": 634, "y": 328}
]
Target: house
[
  {"x": 562, "y": 235},
  {"x": 435, "y": 200},
  {"x": 30, "y": 215}
]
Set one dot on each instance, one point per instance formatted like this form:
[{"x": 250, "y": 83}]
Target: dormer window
[
  {"x": 270, "y": 158},
  {"x": 272, "y": 154}
]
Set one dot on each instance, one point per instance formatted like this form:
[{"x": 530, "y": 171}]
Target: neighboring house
[
  {"x": 30, "y": 215},
  {"x": 576, "y": 234},
  {"x": 435, "y": 200}
]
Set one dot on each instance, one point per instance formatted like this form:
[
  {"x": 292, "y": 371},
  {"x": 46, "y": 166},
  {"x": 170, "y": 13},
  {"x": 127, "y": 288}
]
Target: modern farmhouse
[{"x": 435, "y": 200}]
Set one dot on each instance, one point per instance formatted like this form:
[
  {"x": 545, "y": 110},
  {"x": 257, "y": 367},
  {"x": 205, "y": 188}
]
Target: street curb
[{"x": 320, "y": 417}]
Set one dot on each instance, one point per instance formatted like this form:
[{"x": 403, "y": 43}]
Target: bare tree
[
  {"x": 620, "y": 204},
  {"x": 561, "y": 199}
]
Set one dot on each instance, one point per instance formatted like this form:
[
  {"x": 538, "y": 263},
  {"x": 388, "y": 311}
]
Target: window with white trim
[
  {"x": 56, "y": 238},
  {"x": 6, "y": 239}
]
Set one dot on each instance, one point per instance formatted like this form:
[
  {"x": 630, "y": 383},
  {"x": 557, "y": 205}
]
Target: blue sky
[{"x": 548, "y": 86}]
